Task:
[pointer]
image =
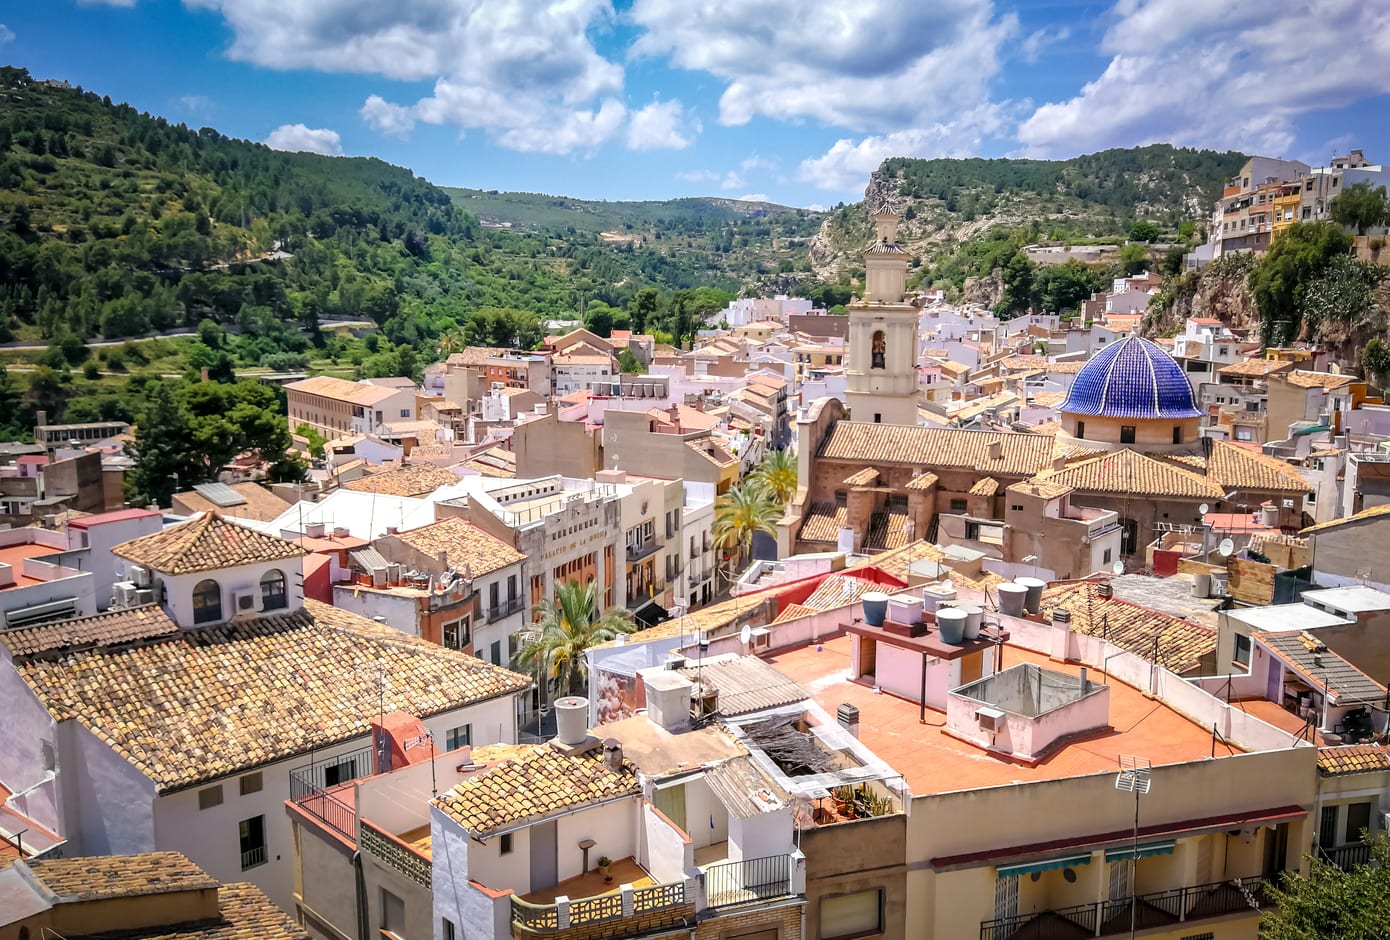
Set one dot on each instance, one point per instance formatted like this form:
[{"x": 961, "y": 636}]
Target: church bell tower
[{"x": 881, "y": 382}]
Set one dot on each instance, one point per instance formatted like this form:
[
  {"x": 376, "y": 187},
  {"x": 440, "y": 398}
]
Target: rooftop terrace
[{"x": 933, "y": 761}]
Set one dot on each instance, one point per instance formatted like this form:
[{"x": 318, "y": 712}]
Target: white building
[{"x": 186, "y": 725}]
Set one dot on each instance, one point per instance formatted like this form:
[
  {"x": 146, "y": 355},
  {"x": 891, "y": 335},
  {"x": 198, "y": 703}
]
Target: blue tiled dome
[{"x": 1134, "y": 378}]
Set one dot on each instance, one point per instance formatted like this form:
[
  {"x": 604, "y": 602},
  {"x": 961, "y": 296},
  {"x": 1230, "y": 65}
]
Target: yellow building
[{"x": 1285, "y": 207}]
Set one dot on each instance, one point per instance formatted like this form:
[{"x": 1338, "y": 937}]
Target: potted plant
[{"x": 603, "y": 867}]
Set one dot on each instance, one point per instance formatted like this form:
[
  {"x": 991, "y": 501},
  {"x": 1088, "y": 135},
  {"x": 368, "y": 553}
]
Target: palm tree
[
  {"x": 777, "y": 474},
  {"x": 553, "y": 648},
  {"x": 743, "y": 511}
]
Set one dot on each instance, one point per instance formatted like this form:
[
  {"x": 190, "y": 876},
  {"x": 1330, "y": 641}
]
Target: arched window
[
  {"x": 879, "y": 349},
  {"x": 207, "y": 602},
  {"x": 273, "y": 590}
]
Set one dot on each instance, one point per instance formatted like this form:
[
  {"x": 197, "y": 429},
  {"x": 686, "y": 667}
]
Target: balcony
[
  {"x": 250, "y": 858},
  {"x": 317, "y": 789},
  {"x": 638, "y": 552},
  {"x": 750, "y": 880},
  {"x": 505, "y": 609},
  {"x": 1113, "y": 917},
  {"x": 1347, "y": 857},
  {"x": 604, "y": 916}
]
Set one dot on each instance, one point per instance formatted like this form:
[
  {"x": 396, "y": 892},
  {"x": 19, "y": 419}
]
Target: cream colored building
[
  {"x": 338, "y": 408},
  {"x": 882, "y": 373}
]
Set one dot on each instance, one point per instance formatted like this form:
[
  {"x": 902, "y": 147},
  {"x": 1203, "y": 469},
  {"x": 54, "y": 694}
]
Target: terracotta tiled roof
[
  {"x": 1255, "y": 367},
  {"x": 119, "y": 876},
  {"x": 109, "y": 629},
  {"x": 467, "y": 547},
  {"x": 1304, "y": 379},
  {"x": 473, "y": 355},
  {"x": 244, "y": 913},
  {"x": 822, "y": 522},
  {"x": 1020, "y": 454},
  {"x": 985, "y": 486},
  {"x": 1364, "y": 515},
  {"x": 1047, "y": 399},
  {"x": 1043, "y": 489},
  {"x": 922, "y": 481},
  {"x": 193, "y": 705},
  {"x": 886, "y": 530},
  {"x": 1319, "y": 667},
  {"x": 1176, "y": 644},
  {"x": 342, "y": 390},
  {"x": 206, "y": 542},
  {"x": 411, "y": 480},
  {"x": 793, "y": 612},
  {"x": 1015, "y": 363},
  {"x": 1236, "y": 468},
  {"x": 494, "y": 462},
  {"x": 1066, "y": 368},
  {"x": 1353, "y": 759},
  {"x": 839, "y": 590},
  {"x": 866, "y": 477},
  {"x": 531, "y": 787},
  {"x": 261, "y": 504},
  {"x": 1125, "y": 472}
]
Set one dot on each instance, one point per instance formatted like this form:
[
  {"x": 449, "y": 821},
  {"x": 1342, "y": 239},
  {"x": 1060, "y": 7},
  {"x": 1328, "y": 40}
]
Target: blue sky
[{"x": 796, "y": 101}]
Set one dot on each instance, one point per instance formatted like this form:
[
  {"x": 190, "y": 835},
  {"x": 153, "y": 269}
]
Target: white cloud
[
  {"x": 195, "y": 105},
  {"x": 309, "y": 139},
  {"x": 1032, "y": 47},
  {"x": 1223, "y": 73},
  {"x": 814, "y": 207},
  {"x": 832, "y": 61},
  {"x": 6, "y": 34},
  {"x": 753, "y": 197},
  {"x": 106, "y": 3},
  {"x": 661, "y": 125},
  {"x": 698, "y": 176},
  {"x": 386, "y": 118},
  {"x": 524, "y": 71},
  {"x": 759, "y": 162},
  {"x": 732, "y": 180},
  {"x": 846, "y": 166}
]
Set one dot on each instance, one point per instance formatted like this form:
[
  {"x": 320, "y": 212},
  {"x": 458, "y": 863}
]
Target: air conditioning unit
[
  {"x": 244, "y": 601},
  {"x": 124, "y": 594},
  {"x": 144, "y": 596},
  {"x": 990, "y": 719},
  {"x": 139, "y": 575}
]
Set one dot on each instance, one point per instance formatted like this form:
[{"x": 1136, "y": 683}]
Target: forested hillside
[{"x": 116, "y": 224}]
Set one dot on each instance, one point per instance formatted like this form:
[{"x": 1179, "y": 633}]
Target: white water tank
[
  {"x": 1011, "y": 599},
  {"x": 1033, "y": 600},
  {"x": 572, "y": 720}
]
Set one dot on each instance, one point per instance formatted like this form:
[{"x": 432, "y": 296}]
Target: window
[
  {"x": 504, "y": 844},
  {"x": 878, "y": 417},
  {"x": 851, "y": 915},
  {"x": 209, "y": 797},
  {"x": 1126, "y": 434},
  {"x": 1200, "y": 936},
  {"x": 1016, "y": 508},
  {"x": 250, "y": 783},
  {"x": 405, "y": 412},
  {"x": 455, "y": 635},
  {"x": 273, "y": 595},
  {"x": 1177, "y": 435},
  {"x": 879, "y": 351},
  {"x": 392, "y": 914},
  {"x": 1242, "y": 653},
  {"x": 207, "y": 602},
  {"x": 493, "y": 592},
  {"x": 959, "y": 505},
  {"x": 496, "y": 653},
  {"x": 455, "y": 738},
  {"x": 1081, "y": 430},
  {"x": 252, "y": 833},
  {"x": 449, "y": 931},
  {"x": 1358, "y": 818},
  {"x": 1105, "y": 557}
]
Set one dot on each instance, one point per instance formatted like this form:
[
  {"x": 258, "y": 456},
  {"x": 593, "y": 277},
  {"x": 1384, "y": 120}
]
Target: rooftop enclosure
[{"x": 1026, "y": 710}]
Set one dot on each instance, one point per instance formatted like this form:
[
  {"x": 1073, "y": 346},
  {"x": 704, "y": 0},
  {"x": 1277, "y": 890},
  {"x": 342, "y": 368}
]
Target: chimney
[
  {"x": 443, "y": 558},
  {"x": 1062, "y": 617},
  {"x": 41, "y": 419},
  {"x": 204, "y": 373},
  {"x": 393, "y": 530},
  {"x": 1105, "y": 589},
  {"x": 996, "y": 450},
  {"x": 613, "y": 755}
]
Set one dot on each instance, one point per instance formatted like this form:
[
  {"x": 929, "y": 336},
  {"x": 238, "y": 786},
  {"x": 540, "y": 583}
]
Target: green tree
[
  {"x": 745, "y": 510},
  {"x": 643, "y": 307},
  {"x": 1065, "y": 286},
  {"x": 1361, "y": 207},
  {"x": 777, "y": 475},
  {"x": 1331, "y": 904},
  {"x": 552, "y": 648},
  {"x": 166, "y": 459},
  {"x": 1343, "y": 291},
  {"x": 1280, "y": 281},
  {"x": 629, "y": 364},
  {"x": 1134, "y": 258},
  {"x": 1144, "y": 231},
  {"x": 1375, "y": 359},
  {"x": 316, "y": 441},
  {"x": 1020, "y": 288}
]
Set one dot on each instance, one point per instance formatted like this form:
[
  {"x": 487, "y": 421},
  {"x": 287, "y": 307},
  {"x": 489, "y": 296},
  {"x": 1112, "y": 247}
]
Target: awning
[
  {"x": 651, "y": 615},
  {"x": 1144, "y": 851},
  {"x": 1066, "y": 861}
]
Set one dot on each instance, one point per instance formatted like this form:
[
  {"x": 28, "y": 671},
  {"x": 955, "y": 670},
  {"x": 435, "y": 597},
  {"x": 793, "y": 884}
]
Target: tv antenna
[{"x": 1226, "y": 548}]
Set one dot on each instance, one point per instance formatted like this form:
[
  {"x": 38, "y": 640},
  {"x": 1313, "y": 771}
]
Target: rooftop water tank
[{"x": 572, "y": 720}]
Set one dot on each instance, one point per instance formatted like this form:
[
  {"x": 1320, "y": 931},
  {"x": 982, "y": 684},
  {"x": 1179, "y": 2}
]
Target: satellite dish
[
  {"x": 745, "y": 634},
  {"x": 1118, "y": 567},
  {"x": 1226, "y": 548},
  {"x": 1204, "y": 509}
]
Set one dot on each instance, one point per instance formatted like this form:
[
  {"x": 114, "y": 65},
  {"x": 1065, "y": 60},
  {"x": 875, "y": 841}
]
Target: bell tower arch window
[{"x": 876, "y": 360}]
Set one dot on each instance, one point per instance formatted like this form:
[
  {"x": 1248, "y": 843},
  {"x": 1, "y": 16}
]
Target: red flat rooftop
[{"x": 101, "y": 518}]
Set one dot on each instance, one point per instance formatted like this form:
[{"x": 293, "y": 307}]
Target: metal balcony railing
[
  {"x": 754, "y": 879},
  {"x": 638, "y": 552},
  {"x": 1113, "y": 917},
  {"x": 505, "y": 609},
  {"x": 1347, "y": 857},
  {"x": 658, "y": 905},
  {"x": 250, "y": 858}
]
